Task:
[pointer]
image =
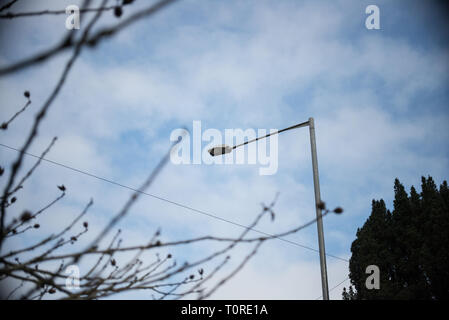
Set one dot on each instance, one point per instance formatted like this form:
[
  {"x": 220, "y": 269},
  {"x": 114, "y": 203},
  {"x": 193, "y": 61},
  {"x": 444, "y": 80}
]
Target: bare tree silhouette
[{"x": 38, "y": 269}]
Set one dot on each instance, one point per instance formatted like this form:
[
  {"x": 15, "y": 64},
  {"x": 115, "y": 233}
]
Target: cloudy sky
[{"x": 379, "y": 99}]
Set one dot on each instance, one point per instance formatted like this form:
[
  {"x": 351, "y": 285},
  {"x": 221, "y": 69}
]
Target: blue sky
[{"x": 379, "y": 99}]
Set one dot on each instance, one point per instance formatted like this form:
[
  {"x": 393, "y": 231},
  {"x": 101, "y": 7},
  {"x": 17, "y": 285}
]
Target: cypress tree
[
  {"x": 410, "y": 245},
  {"x": 345, "y": 295},
  {"x": 372, "y": 247},
  {"x": 410, "y": 284},
  {"x": 435, "y": 239}
]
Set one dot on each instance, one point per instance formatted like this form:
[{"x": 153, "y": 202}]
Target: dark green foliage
[
  {"x": 409, "y": 245},
  {"x": 348, "y": 295}
]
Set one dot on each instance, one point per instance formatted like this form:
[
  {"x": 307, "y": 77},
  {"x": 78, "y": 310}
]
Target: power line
[
  {"x": 169, "y": 201},
  {"x": 335, "y": 287}
]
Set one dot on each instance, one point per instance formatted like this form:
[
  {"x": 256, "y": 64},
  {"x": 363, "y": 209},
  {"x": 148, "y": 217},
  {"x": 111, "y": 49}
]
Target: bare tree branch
[
  {"x": 36, "y": 269},
  {"x": 5, "y": 124},
  {"x": 39, "y": 117},
  {"x": 8, "y": 5},
  {"x": 11, "y": 15},
  {"x": 67, "y": 42}
]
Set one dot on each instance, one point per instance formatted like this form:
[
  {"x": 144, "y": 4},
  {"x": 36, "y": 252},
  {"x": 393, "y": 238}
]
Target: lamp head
[{"x": 219, "y": 150}]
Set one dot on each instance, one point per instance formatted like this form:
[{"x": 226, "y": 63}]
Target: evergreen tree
[
  {"x": 435, "y": 240},
  {"x": 444, "y": 192},
  {"x": 372, "y": 247},
  {"x": 410, "y": 281},
  {"x": 348, "y": 295},
  {"x": 409, "y": 245},
  {"x": 351, "y": 293},
  {"x": 345, "y": 295}
]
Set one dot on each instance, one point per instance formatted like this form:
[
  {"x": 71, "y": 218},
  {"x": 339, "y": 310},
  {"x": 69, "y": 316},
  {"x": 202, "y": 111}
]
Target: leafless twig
[
  {"x": 37, "y": 267},
  {"x": 67, "y": 42},
  {"x": 5, "y": 124},
  {"x": 8, "y": 5}
]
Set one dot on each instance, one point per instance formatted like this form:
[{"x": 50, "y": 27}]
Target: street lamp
[{"x": 223, "y": 149}]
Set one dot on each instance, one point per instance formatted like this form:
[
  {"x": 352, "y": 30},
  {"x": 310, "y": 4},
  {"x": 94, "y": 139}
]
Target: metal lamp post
[{"x": 223, "y": 149}]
